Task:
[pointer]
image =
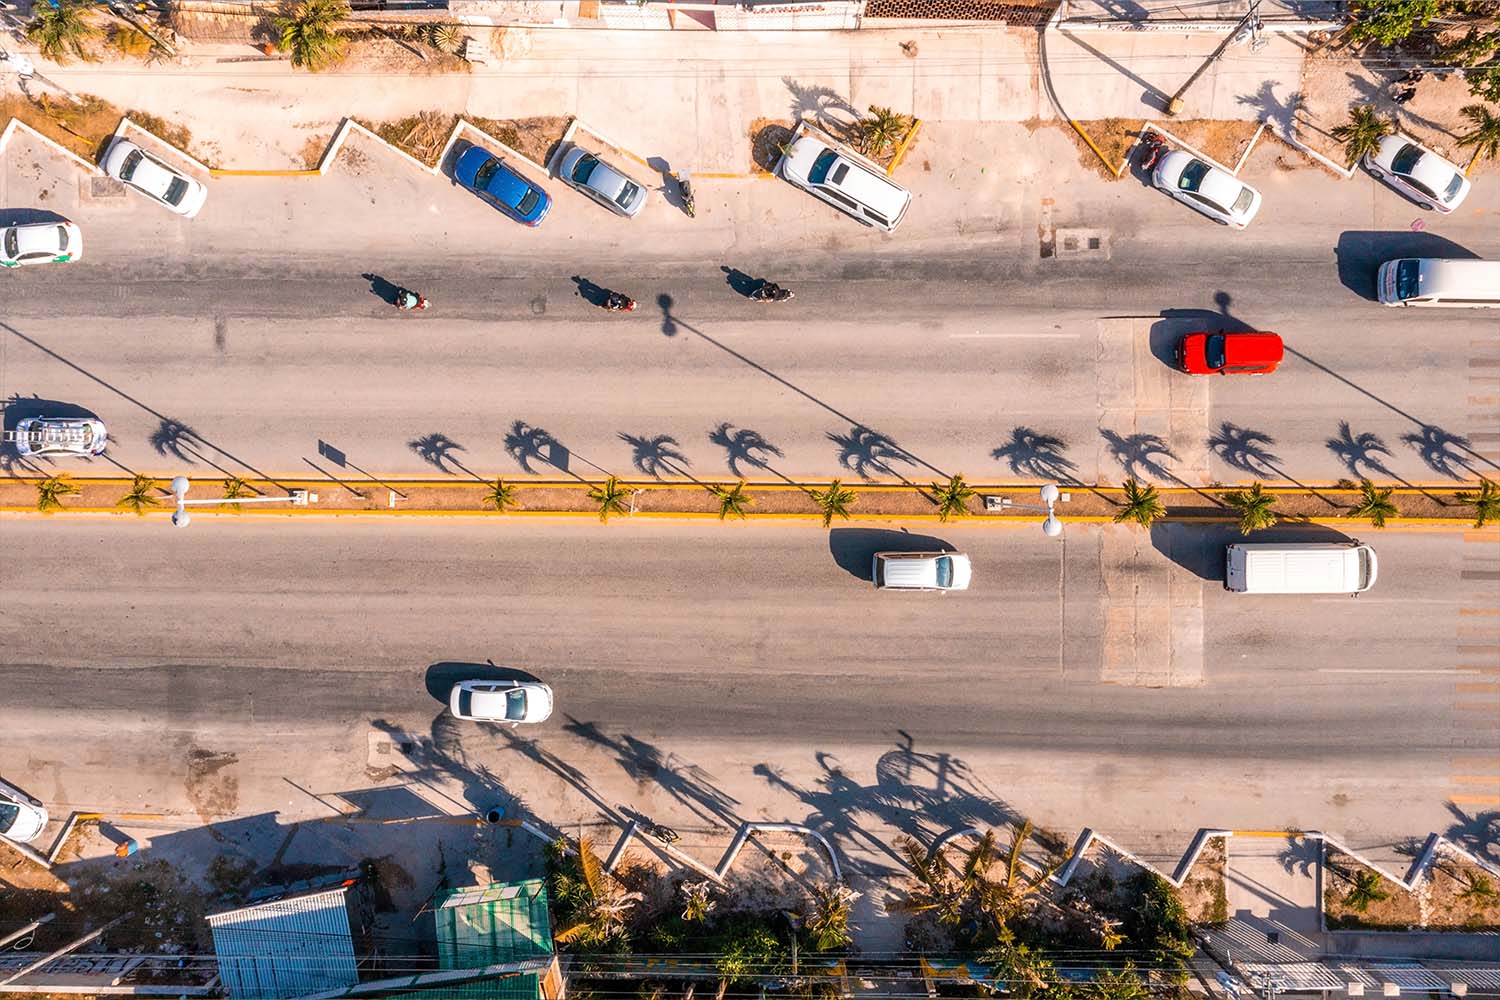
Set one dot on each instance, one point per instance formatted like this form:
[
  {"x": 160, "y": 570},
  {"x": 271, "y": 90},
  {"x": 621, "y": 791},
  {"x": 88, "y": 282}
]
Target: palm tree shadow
[
  {"x": 687, "y": 783},
  {"x": 1031, "y": 453},
  {"x": 1137, "y": 454},
  {"x": 440, "y": 451},
  {"x": 743, "y": 446},
  {"x": 1442, "y": 451},
  {"x": 1361, "y": 451},
  {"x": 1478, "y": 833},
  {"x": 864, "y": 449},
  {"x": 1248, "y": 451},
  {"x": 653, "y": 455}
]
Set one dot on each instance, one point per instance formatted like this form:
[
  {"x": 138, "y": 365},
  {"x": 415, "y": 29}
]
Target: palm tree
[
  {"x": 1142, "y": 504},
  {"x": 1121, "y": 984},
  {"x": 1374, "y": 504},
  {"x": 936, "y": 890},
  {"x": 953, "y": 497},
  {"x": 1254, "y": 506},
  {"x": 62, "y": 31},
  {"x": 234, "y": 488},
  {"x": 1477, "y": 890},
  {"x": 1486, "y": 135},
  {"x": 732, "y": 500},
  {"x": 140, "y": 496},
  {"x": 501, "y": 495},
  {"x": 1003, "y": 899},
  {"x": 611, "y": 498},
  {"x": 1486, "y": 502},
  {"x": 882, "y": 128},
  {"x": 50, "y": 491},
  {"x": 1362, "y": 133},
  {"x": 309, "y": 30},
  {"x": 697, "y": 901},
  {"x": 1027, "y": 971},
  {"x": 828, "y": 922},
  {"x": 836, "y": 500},
  {"x": 595, "y": 901},
  {"x": 1365, "y": 889}
]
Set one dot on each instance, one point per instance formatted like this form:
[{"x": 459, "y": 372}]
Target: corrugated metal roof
[
  {"x": 285, "y": 948},
  {"x": 523, "y": 987},
  {"x": 491, "y": 924}
]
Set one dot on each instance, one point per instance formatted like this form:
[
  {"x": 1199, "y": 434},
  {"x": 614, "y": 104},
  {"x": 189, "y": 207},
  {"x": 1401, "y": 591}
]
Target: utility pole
[{"x": 1251, "y": 20}]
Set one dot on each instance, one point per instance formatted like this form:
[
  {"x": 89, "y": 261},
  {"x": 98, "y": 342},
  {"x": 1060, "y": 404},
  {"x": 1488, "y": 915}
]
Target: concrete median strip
[{"x": 991, "y": 503}]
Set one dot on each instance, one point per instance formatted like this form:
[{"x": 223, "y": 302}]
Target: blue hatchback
[{"x": 486, "y": 175}]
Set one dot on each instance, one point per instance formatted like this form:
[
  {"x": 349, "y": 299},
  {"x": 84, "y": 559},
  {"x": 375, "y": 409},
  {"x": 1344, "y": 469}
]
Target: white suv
[
  {"x": 921, "y": 571},
  {"x": 21, "y": 816},
  {"x": 848, "y": 184}
]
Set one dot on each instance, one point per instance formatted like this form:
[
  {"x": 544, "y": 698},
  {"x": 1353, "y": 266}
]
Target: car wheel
[
  {"x": 1377, "y": 174},
  {"x": 1424, "y": 205},
  {"x": 1221, "y": 222}
]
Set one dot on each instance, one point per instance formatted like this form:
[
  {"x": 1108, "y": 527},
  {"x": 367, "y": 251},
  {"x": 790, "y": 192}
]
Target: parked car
[
  {"x": 490, "y": 178},
  {"x": 133, "y": 166},
  {"x": 1216, "y": 193},
  {"x": 848, "y": 184},
  {"x": 602, "y": 182},
  {"x": 1229, "y": 353},
  {"x": 921, "y": 571},
  {"x": 46, "y": 437},
  {"x": 40, "y": 243},
  {"x": 1417, "y": 172},
  {"x": 512, "y": 702},
  {"x": 21, "y": 816}
]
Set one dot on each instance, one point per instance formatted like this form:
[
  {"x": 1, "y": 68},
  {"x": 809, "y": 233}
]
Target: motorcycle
[
  {"x": 1154, "y": 146},
  {"x": 407, "y": 300},
  {"x": 772, "y": 292},
  {"x": 619, "y": 302},
  {"x": 685, "y": 188}
]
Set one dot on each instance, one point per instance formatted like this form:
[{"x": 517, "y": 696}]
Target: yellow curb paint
[
  {"x": 1117, "y": 171},
  {"x": 1267, "y": 833},
  {"x": 911, "y": 134},
  {"x": 719, "y": 176}
]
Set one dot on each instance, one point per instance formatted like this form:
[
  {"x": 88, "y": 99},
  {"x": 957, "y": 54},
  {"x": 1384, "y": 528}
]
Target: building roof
[
  {"x": 285, "y": 948},
  {"x": 491, "y": 924}
]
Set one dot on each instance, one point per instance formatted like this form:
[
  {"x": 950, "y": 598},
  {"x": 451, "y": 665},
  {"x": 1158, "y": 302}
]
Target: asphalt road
[{"x": 755, "y": 654}]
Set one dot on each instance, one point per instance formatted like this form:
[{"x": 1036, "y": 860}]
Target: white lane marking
[
  {"x": 1015, "y": 336},
  {"x": 1396, "y": 670}
]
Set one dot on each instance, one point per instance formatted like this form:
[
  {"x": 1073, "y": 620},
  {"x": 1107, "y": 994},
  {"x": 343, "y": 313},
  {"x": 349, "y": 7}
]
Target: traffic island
[{"x": 1355, "y": 505}]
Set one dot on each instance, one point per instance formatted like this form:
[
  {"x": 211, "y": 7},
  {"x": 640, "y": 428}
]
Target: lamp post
[
  {"x": 1051, "y": 496},
  {"x": 180, "y": 484}
]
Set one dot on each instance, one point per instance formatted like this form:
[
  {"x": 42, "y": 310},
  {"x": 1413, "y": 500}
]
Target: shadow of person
[
  {"x": 741, "y": 282},
  {"x": 594, "y": 295},
  {"x": 381, "y": 288}
]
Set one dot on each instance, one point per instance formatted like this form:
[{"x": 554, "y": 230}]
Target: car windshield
[
  {"x": 528, "y": 201},
  {"x": 1451, "y": 191},
  {"x": 627, "y": 195},
  {"x": 62, "y": 237},
  {"x": 585, "y": 168},
  {"x": 175, "y": 191},
  {"x": 1192, "y": 175},
  {"x": 12, "y": 243},
  {"x": 483, "y": 174},
  {"x": 1406, "y": 279},
  {"x": 1213, "y": 353},
  {"x": 944, "y": 571},
  {"x": 515, "y": 705},
  {"x": 1242, "y": 203},
  {"x": 466, "y": 702},
  {"x": 127, "y": 169},
  {"x": 8, "y": 815},
  {"x": 1406, "y": 160},
  {"x": 821, "y": 166}
]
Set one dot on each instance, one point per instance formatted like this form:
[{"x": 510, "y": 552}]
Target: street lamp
[
  {"x": 1051, "y": 496},
  {"x": 180, "y": 484}
]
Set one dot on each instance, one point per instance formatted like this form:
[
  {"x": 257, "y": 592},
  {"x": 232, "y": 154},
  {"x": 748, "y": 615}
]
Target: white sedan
[
  {"x": 40, "y": 243},
  {"x": 512, "y": 702},
  {"x": 46, "y": 437},
  {"x": 21, "y": 816},
  {"x": 132, "y": 165},
  {"x": 1419, "y": 173},
  {"x": 1214, "y": 192}
]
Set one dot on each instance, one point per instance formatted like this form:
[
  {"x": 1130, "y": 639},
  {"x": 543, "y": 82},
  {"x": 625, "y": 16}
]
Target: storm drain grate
[{"x": 1089, "y": 244}]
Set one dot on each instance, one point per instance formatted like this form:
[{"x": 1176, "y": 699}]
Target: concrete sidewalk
[{"x": 688, "y": 99}]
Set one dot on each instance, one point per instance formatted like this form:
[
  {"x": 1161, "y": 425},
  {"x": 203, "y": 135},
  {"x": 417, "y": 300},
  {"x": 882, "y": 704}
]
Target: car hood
[
  {"x": 797, "y": 162},
  {"x": 1434, "y": 172},
  {"x": 1221, "y": 188},
  {"x": 963, "y": 571}
]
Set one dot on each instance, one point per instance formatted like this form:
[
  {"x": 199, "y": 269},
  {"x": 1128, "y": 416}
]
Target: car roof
[
  {"x": 799, "y": 157},
  {"x": 507, "y": 185},
  {"x": 1220, "y": 188},
  {"x": 37, "y": 236},
  {"x": 1433, "y": 171},
  {"x": 1252, "y": 349},
  {"x": 919, "y": 569},
  {"x": 152, "y": 175},
  {"x": 491, "y": 704}
]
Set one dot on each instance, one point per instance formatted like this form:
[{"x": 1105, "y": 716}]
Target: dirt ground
[
  {"x": 1203, "y": 892},
  {"x": 1398, "y": 910},
  {"x": 534, "y": 138},
  {"x": 1455, "y": 895},
  {"x": 767, "y": 136},
  {"x": 86, "y": 127},
  {"x": 1224, "y": 141},
  {"x": 1333, "y": 84}
]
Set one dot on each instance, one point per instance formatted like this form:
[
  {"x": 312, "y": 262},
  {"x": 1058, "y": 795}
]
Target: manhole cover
[{"x": 105, "y": 187}]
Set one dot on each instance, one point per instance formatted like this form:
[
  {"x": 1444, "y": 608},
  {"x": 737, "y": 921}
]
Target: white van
[
  {"x": 921, "y": 571},
  {"x": 1305, "y": 568},
  {"x": 845, "y": 180},
  {"x": 1424, "y": 281}
]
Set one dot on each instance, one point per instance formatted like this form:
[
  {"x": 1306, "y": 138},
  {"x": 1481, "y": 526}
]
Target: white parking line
[{"x": 1397, "y": 670}]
